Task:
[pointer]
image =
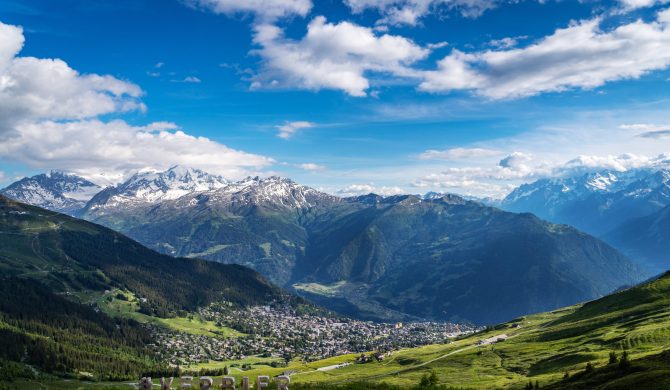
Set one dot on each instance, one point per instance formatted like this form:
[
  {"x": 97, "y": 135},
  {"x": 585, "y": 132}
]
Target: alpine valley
[
  {"x": 82, "y": 306},
  {"x": 393, "y": 258},
  {"x": 334, "y": 195}
]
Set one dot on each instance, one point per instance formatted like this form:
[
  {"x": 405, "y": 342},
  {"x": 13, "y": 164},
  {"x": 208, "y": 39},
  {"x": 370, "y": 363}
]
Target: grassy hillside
[
  {"x": 539, "y": 348},
  {"x": 54, "y": 272},
  {"x": 41, "y": 329},
  {"x": 71, "y": 255}
]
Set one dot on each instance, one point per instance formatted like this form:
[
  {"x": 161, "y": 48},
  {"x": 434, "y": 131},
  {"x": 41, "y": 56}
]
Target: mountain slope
[
  {"x": 55, "y": 191},
  {"x": 68, "y": 255},
  {"x": 646, "y": 238},
  {"x": 255, "y": 222},
  {"x": 538, "y": 348},
  {"x": 452, "y": 259},
  {"x": 50, "y": 262},
  {"x": 381, "y": 258},
  {"x": 59, "y": 336},
  {"x": 594, "y": 202}
]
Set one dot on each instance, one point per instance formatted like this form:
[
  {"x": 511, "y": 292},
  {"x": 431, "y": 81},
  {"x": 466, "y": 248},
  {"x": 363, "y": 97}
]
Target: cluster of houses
[{"x": 281, "y": 332}]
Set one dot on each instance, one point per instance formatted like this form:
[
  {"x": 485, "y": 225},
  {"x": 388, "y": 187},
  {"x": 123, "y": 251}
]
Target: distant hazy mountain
[
  {"x": 55, "y": 191},
  {"x": 376, "y": 257},
  {"x": 646, "y": 239},
  {"x": 594, "y": 202}
]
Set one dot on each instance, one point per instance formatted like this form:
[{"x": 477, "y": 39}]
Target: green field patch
[{"x": 110, "y": 303}]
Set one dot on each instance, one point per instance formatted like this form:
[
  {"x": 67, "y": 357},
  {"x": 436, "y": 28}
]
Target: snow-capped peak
[
  {"x": 273, "y": 190},
  {"x": 55, "y": 190},
  {"x": 152, "y": 186}
]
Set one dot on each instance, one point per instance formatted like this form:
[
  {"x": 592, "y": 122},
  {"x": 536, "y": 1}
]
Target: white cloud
[
  {"x": 265, "y": 9},
  {"x": 364, "y": 189},
  {"x": 497, "y": 180},
  {"x": 48, "y": 89},
  {"x": 649, "y": 130},
  {"x": 621, "y": 163},
  {"x": 506, "y": 43},
  {"x": 188, "y": 80},
  {"x": 579, "y": 56},
  {"x": 50, "y": 117},
  {"x": 635, "y": 4},
  {"x": 91, "y": 146},
  {"x": 312, "y": 167},
  {"x": 410, "y": 12},
  {"x": 332, "y": 56},
  {"x": 515, "y": 160},
  {"x": 457, "y": 154},
  {"x": 288, "y": 129},
  {"x": 192, "y": 79}
]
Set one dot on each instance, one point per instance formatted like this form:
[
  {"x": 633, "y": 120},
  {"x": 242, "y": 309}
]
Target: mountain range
[
  {"x": 436, "y": 257},
  {"x": 616, "y": 206}
]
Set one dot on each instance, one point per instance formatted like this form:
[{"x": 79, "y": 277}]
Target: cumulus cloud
[
  {"x": 50, "y": 116},
  {"x": 93, "y": 145},
  {"x": 332, "y": 56},
  {"x": 288, "y": 129},
  {"x": 312, "y": 167},
  {"x": 264, "y": 9},
  {"x": 515, "y": 160},
  {"x": 410, "y": 12},
  {"x": 457, "y": 154},
  {"x": 48, "y": 89},
  {"x": 579, "y": 56},
  {"x": 364, "y": 189}
]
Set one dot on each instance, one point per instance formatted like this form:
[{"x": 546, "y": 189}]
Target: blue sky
[{"x": 350, "y": 96}]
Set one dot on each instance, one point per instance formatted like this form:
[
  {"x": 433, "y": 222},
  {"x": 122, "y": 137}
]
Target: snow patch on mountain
[{"x": 55, "y": 190}]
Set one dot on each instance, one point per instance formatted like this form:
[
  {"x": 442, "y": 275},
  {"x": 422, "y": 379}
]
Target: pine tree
[
  {"x": 589, "y": 368},
  {"x": 424, "y": 382},
  {"x": 613, "y": 358},
  {"x": 624, "y": 363},
  {"x": 433, "y": 378}
]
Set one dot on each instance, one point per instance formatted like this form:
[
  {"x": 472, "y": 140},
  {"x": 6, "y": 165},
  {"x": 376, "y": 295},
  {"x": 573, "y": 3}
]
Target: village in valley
[{"x": 280, "y": 332}]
